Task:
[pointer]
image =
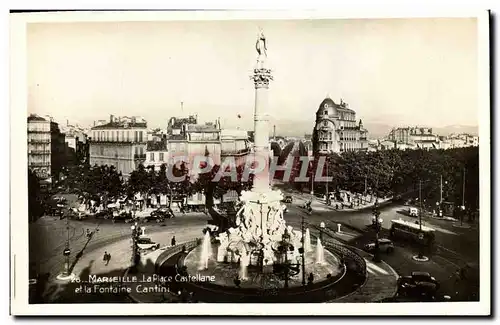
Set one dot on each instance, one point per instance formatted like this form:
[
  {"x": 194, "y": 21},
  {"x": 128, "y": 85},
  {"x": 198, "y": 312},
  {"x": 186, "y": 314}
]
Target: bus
[{"x": 412, "y": 231}]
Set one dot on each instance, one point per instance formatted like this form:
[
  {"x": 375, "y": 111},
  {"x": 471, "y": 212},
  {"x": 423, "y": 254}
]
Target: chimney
[
  {"x": 111, "y": 118},
  {"x": 67, "y": 122}
]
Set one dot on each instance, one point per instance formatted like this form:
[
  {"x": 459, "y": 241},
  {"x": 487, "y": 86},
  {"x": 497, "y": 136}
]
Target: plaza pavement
[{"x": 91, "y": 263}]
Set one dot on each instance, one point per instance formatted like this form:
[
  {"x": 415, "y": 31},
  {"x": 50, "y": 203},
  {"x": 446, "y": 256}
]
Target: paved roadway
[{"x": 456, "y": 246}]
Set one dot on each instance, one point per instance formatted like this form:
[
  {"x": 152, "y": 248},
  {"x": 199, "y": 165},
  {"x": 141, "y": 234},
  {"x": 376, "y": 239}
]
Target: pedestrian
[
  {"x": 105, "y": 257},
  {"x": 108, "y": 258},
  {"x": 173, "y": 241}
]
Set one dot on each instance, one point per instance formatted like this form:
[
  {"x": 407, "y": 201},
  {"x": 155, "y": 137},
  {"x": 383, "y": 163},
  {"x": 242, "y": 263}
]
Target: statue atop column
[{"x": 261, "y": 45}]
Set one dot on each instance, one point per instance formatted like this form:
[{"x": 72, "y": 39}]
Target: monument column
[{"x": 261, "y": 77}]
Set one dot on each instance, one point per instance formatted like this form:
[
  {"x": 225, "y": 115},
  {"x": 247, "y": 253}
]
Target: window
[
  {"x": 325, "y": 123},
  {"x": 123, "y": 136},
  {"x": 136, "y": 150},
  {"x": 161, "y": 156},
  {"x": 152, "y": 156},
  {"x": 135, "y": 136},
  {"x": 107, "y": 135},
  {"x": 141, "y": 151},
  {"x": 140, "y": 136},
  {"x": 326, "y": 113}
]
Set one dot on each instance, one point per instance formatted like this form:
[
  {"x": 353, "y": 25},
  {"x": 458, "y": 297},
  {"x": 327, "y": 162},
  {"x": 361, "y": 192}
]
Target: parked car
[
  {"x": 123, "y": 216},
  {"x": 418, "y": 284},
  {"x": 384, "y": 244},
  {"x": 159, "y": 215},
  {"x": 146, "y": 243},
  {"x": 413, "y": 212},
  {"x": 287, "y": 199},
  {"x": 104, "y": 214}
]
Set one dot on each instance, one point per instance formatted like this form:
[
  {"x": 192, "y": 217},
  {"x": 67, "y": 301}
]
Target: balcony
[
  {"x": 140, "y": 156},
  {"x": 114, "y": 141},
  {"x": 39, "y": 164},
  {"x": 38, "y": 141},
  {"x": 39, "y": 152},
  {"x": 38, "y": 131}
]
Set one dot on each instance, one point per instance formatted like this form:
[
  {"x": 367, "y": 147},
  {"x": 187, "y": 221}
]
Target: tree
[
  {"x": 139, "y": 181},
  {"x": 35, "y": 205}
]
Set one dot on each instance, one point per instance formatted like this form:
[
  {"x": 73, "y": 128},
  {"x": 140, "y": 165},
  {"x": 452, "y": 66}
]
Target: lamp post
[
  {"x": 377, "y": 222},
  {"x": 285, "y": 238},
  {"x": 67, "y": 250},
  {"x": 321, "y": 229},
  {"x": 135, "y": 252},
  {"x": 420, "y": 212},
  {"x": 302, "y": 252},
  {"x": 66, "y": 254}
]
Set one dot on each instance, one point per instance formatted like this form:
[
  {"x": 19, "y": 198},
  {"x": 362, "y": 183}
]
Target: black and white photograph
[{"x": 177, "y": 162}]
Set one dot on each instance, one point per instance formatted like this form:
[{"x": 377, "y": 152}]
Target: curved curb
[
  {"x": 172, "y": 250},
  {"x": 420, "y": 259}
]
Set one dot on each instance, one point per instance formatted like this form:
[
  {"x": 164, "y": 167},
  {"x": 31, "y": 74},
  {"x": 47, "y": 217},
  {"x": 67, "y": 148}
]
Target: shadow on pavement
[{"x": 89, "y": 287}]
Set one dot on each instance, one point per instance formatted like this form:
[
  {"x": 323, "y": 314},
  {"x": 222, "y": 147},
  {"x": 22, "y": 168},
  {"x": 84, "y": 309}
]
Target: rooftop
[
  {"x": 342, "y": 106},
  {"x": 34, "y": 117},
  {"x": 178, "y": 122},
  {"x": 156, "y": 146},
  {"x": 207, "y": 127},
  {"x": 120, "y": 125}
]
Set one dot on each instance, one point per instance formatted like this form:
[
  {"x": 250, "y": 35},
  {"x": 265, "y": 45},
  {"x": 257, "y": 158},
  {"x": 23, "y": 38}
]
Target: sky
[{"x": 396, "y": 71}]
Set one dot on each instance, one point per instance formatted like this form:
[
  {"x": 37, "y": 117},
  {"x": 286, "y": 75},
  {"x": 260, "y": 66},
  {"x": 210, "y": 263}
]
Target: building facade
[
  {"x": 46, "y": 148},
  {"x": 157, "y": 153},
  {"x": 414, "y": 138},
  {"x": 186, "y": 139},
  {"x": 39, "y": 146},
  {"x": 76, "y": 144},
  {"x": 235, "y": 143},
  {"x": 120, "y": 143},
  {"x": 191, "y": 140},
  {"x": 336, "y": 129},
  {"x": 58, "y": 151}
]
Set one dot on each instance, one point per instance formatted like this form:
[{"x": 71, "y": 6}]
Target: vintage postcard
[{"x": 248, "y": 163}]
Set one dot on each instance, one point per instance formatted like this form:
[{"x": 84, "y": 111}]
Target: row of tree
[
  {"x": 106, "y": 183},
  {"x": 452, "y": 175}
]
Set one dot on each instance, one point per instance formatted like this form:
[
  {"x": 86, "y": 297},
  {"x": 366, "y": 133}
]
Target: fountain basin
[
  {"x": 350, "y": 279},
  {"x": 224, "y": 273}
]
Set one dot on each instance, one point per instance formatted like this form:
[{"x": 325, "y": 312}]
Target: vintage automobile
[
  {"x": 158, "y": 215},
  {"x": 146, "y": 243},
  {"x": 123, "y": 216},
  {"x": 287, "y": 199},
  {"x": 418, "y": 284},
  {"x": 384, "y": 245}
]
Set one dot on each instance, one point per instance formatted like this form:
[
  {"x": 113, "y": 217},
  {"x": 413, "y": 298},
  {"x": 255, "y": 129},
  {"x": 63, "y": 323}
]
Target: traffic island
[
  {"x": 66, "y": 277},
  {"x": 420, "y": 258}
]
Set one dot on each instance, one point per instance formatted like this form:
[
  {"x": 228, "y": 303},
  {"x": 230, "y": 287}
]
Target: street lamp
[
  {"x": 285, "y": 238},
  {"x": 377, "y": 222},
  {"x": 302, "y": 252},
  {"x": 321, "y": 229},
  {"x": 66, "y": 254},
  {"x": 135, "y": 251}
]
